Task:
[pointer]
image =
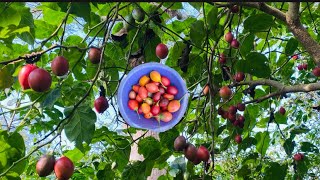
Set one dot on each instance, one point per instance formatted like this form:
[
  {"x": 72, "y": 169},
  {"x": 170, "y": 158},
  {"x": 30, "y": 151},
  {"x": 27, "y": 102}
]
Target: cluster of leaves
[{"x": 101, "y": 151}]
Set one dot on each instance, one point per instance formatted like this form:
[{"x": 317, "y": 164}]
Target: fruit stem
[{"x": 137, "y": 113}]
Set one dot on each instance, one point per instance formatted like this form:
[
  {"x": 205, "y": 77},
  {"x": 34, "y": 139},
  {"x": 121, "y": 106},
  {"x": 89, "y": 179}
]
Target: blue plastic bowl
[{"x": 131, "y": 117}]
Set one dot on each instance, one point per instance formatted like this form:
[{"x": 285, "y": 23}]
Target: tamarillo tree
[{"x": 241, "y": 62}]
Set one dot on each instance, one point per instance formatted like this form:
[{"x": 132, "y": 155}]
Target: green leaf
[
  {"x": 167, "y": 138},
  {"x": 150, "y": 49},
  {"x": 258, "y": 22},
  {"x": 149, "y": 147},
  {"x": 106, "y": 173},
  {"x": 254, "y": 64},
  {"x": 12, "y": 148},
  {"x": 173, "y": 5},
  {"x": 74, "y": 155},
  {"x": 263, "y": 141},
  {"x": 134, "y": 171},
  {"x": 288, "y": 146},
  {"x": 247, "y": 44},
  {"x": 281, "y": 119},
  {"x": 308, "y": 147},
  {"x": 275, "y": 171},
  {"x": 81, "y": 126},
  {"x": 81, "y": 10},
  {"x": 6, "y": 80},
  {"x": 196, "y": 5},
  {"x": 43, "y": 29},
  {"x": 212, "y": 17},
  {"x": 9, "y": 16},
  {"x": 291, "y": 46},
  {"x": 300, "y": 129},
  {"x": 197, "y": 32},
  {"x": 51, "y": 98},
  {"x": 52, "y": 17}
]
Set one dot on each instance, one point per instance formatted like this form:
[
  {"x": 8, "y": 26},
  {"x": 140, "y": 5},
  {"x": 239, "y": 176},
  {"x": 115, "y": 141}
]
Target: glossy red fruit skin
[
  {"x": 101, "y": 104},
  {"x": 222, "y": 59},
  {"x": 168, "y": 96},
  {"x": 298, "y": 157},
  {"x": 172, "y": 90},
  {"x": 45, "y": 165},
  {"x": 162, "y": 51},
  {"x": 233, "y": 109},
  {"x": 316, "y": 71},
  {"x": 235, "y": 44},
  {"x": 132, "y": 95},
  {"x": 220, "y": 111},
  {"x": 228, "y": 37},
  {"x": 203, "y": 154},
  {"x": 135, "y": 88},
  {"x": 94, "y": 55},
  {"x": 295, "y": 57},
  {"x": 152, "y": 88},
  {"x": 241, "y": 119},
  {"x": 39, "y": 80},
  {"x": 304, "y": 66},
  {"x": 173, "y": 106},
  {"x": 238, "y": 138},
  {"x": 196, "y": 160},
  {"x": 162, "y": 90},
  {"x": 24, "y": 74},
  {"x": 164, "y": 102},
  {"x": 156, "y": 97},
  {"x": 190, "y": 152},
  {"x": 165, "y": 81},
  {"x": 139, "y": 99},
  {"x": 300, "y": 67},
  {"x": 180, "y": 143},
  {"x": 63, "y": 168},
  {"x": 241, "y": 107},
  {"x": 155, "y": 110},
  {"x": 282, "y": 110},
  {"x": 232, "y": 117},
  {"x": 205, "y": 90},
  {"x": 225, "y": 92},
  {"x": 60, "y": 66},
  {"x": 239, "y": 76},
  {"x": 133, "y": 104},
  {"x": 165, "y": 116},
  {"x": 143, "y": 93}
]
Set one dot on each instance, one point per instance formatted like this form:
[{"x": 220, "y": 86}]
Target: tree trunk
[{"x": 135, "y": 156}]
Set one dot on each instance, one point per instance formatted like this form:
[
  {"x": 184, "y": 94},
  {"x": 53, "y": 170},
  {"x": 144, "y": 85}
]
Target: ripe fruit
[
  {"x": 282, "y": 110},
  {"x": 168, "y": 96},
  {"x": 241, "y": 107},
  {"x": 165, "y": 116},
  {"x": 298, "y": 157},
  {"x": 238, "y": 138},
  {"x": 234, "y": 9},
  {"x": 152, "y": 87},
  {"x": 240, "y": 119},
  {"x": 148, "y": 101},
  {"x": 164, "y": 102},
  {"x": 220, "y": 111},
  {"x": 172, "y": 90},
  {"x": 316, "y": 71},
  {"x": 94, "y": 55},
  {"x": 190, "y": 152},
  {"x": 180, "y": 143},
  {"x": 63, "y": 168},
  {"x": 24, "y": 74},
  {"x": 144, "y": 80},
  {"x": 143, "y": 93},
  {"x": 139, "y": 99},
  {"x": 45, "y": 165},
  {"x": 155, "y": 76},
  {"x": 222, "y": 59},
  {"x": 304, "y": 66},
  {"x": 156, "y": 97},
  {"x": 162, "y": 90},
  {"x": 155, "y": 110},
  {"x": 132, "y": 95},
  {"x": 234, "y": 44},
  {"x": 60, "y": 66},
  {"x": 225, "y": 92},
  {"x": 300, "y": 67},
  {"x": 228, "y": 37},
  {"x": 196, "y": 160},
  {"x": 138, "y": 14},
  {"x": 203, "y": 154},
  {"x": 232, "y": 117},
  {"x": 145, "y": 108},
  {"x": 206, "y": 90},
  {"x": 165, "y": 81},
  {"x": 295, "y": 57},
  {"x": 239, "y": 76},
  {"x": 162, "y": 51},
  {"x": 133, "y": 104},
  {"x": 232, "y": 110},
  {"x": 101, "y": 104},
  {"x": 135, "y": 88},
  {"x": 39, "y": 80},
  {"x": 174, "y": 106},
  {"x": 148, "y": 115}
]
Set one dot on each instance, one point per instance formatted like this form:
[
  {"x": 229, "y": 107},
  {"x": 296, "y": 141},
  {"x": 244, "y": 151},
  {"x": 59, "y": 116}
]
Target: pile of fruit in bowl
[{"x": 154, "y": 97}]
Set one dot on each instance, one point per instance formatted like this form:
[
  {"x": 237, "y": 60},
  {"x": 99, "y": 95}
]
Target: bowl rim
[{"x": 183, "y": 106}]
